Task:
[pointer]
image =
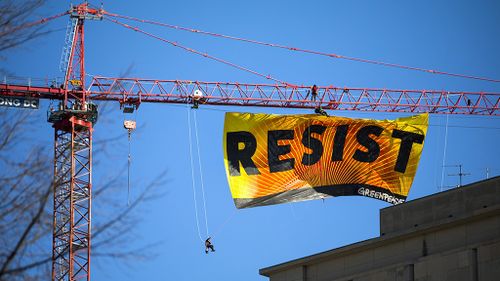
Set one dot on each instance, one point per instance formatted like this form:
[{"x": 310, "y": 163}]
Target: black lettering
[
  {"x": 407, "y": 140},
  {"x": 339, "y": 142},
  {"x": 274, "y": 151},
  {"x": 236, "y": 155},
  {"x": 373, "y": 149},
  {"x": 312, "y": 143}
]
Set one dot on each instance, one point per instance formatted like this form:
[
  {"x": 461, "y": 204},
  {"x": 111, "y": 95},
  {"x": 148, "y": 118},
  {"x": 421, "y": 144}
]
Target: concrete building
[{"x": 452, "y": 235}]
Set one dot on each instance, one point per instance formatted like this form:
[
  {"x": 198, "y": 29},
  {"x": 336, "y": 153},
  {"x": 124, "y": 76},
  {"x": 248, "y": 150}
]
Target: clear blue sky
[{"x": 454, "y": 36}]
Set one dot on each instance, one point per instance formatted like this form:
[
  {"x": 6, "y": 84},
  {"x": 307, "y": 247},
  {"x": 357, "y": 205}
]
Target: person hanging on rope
[{"x": 208, "y": 245}]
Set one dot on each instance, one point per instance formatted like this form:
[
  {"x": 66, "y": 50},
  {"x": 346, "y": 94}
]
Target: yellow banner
[{"x": 273, "y": 159}]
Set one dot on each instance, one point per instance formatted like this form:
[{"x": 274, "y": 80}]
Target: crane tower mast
[{"x": 73, "y": 125}]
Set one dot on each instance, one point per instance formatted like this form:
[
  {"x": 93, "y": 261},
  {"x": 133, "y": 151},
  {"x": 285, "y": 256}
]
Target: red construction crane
[{"x": 74, "y": 119}]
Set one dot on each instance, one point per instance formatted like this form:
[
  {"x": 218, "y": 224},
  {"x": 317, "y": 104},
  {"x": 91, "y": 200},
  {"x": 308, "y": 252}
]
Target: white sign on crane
[{"x": 20, "y": 102}]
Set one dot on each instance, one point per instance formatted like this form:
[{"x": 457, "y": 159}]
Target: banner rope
[{"x": 223, "y": 225}]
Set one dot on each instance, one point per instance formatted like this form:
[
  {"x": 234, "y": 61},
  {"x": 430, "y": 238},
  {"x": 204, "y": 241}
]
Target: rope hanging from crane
[
  {"x": 200, "y": 170},
  {"x": 193, "y": 182},
  {"x": 208, "y": 244}
]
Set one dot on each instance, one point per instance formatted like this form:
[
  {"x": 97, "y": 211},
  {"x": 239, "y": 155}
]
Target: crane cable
[
  {"x": 206, "y": 55},
  {"x": 128, "y": 168},
  {"x": 130, "y": 126},
  {"x": 330, "y": 55}
]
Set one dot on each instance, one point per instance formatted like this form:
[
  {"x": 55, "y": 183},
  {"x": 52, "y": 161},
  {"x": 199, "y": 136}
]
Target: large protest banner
[{"x": 273, "y": 159}]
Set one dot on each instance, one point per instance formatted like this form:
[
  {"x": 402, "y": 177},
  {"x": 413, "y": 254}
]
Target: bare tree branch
[
  {"x": 24, "y": 235},
  {"x": 26, "y": 216},
  {"x": 145, "y": 195},
  {"x": 14, "y": 14}
]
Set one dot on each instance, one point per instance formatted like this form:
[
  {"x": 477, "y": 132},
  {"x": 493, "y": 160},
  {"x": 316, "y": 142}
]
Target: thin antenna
[{"x": 460, "y": 173}]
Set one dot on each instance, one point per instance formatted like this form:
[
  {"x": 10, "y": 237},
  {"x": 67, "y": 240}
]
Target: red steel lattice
[
  {"x": 72, "y": 200},
  {"x": 136, "y": 91}
]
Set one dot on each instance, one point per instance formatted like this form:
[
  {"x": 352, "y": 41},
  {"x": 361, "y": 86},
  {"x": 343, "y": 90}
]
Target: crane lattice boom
[{"x": 136, "y": 91}]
